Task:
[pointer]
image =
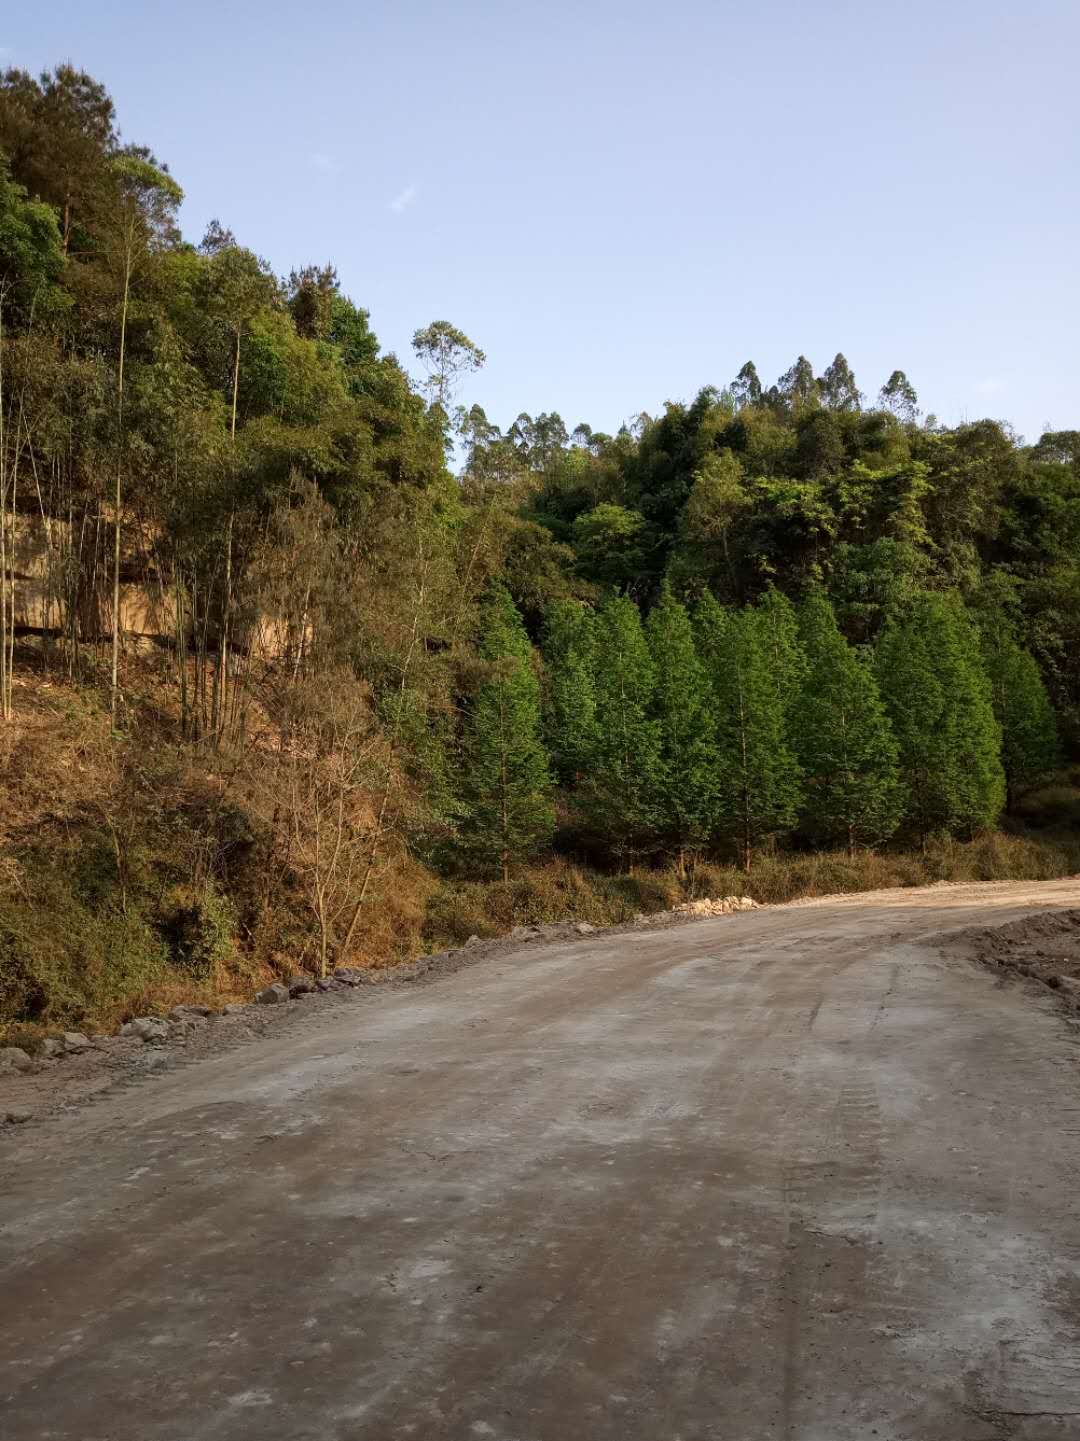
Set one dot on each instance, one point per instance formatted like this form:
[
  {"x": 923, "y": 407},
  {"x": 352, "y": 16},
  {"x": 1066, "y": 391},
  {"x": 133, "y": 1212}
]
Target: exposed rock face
[
  {"x": 75, "y": 1041},
  {"x": 14, "y": 1058},
  {"x": 300, "y": 986}
]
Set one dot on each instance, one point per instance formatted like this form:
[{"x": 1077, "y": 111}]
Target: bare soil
[
  {"x": 1040, "y": 949},
  {"x": 805, "y": 1174},
  {"x": 59, "y": 1084}
]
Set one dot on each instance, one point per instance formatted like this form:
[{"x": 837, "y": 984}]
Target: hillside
[{"x": 302, "y": 661}]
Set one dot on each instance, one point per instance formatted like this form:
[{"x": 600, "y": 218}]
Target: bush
[{"x": 199, "y": 925}]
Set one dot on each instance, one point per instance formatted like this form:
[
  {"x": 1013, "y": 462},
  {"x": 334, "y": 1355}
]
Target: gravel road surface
[{"x": 805, "y": 1174}]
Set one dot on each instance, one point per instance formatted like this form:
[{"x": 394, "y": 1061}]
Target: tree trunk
[
  {"x": 5, "y": 694},
  {"x": 119, "y": 474}
]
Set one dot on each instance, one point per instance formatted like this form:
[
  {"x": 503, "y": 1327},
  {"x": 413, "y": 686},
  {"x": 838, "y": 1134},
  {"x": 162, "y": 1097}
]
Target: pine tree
[
  {"x": 780, "y": 635},
  {"x": 1029, "y": 744},
  {"x": 757, "y": 777},
  {"x": 618, "y": 797},
  {"x": 508, "y": 788},
  {"x": 843, "y": 739},
  {"x": 976, "y": 732},
  {"x": 937, "y": 696},
  {"x": 569, "y": 652},
  {"x": 686, "y": 773}
]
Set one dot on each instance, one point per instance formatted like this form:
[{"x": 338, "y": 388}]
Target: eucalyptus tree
[
  {"x": 446, "y": 354},
  {"x": 141, "y": 220}
]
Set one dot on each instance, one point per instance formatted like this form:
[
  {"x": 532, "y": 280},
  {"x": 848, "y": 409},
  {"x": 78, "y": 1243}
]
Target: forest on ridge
[{"x": 292, "y": 643}]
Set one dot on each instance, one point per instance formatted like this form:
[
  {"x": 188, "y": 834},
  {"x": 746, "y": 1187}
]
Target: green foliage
[
  {"x": 938, "y": 699},
  {"x": 758, "y": 779},
  {"x": 686, "y": 771},
  {"x": 618, "y": 795},
  {"x": 199, "y": 924},
  {"x": 1029, "y": 749},
  {"x": 787, "y": 660},
  {"x": 843, "y": 739},
  {"x": 611, "y": 544},
  {"x": 570, "y": 655},
  {"x": 507, "y": 786},
  {"x": 31, "y": 254}
]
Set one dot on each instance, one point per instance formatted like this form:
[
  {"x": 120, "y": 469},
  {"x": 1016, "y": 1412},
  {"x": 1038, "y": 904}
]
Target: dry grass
[{"x": 560, "y": 890}]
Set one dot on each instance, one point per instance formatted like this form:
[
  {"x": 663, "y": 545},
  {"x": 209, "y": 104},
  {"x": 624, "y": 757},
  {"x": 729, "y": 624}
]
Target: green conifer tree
[
  {"x": 508, "y": 788},
  {"x": 843, "y": 739},
  {"x": 783, "y": 646},
  {"x": 757, "y": 777},
  {"x": 937, "y": 696},
  {"x": 570, "y": 653},
  {"x": 1029, "y": 744},
  {"x": 618, "y": 797},
  {"x": 686, "y": 772}
]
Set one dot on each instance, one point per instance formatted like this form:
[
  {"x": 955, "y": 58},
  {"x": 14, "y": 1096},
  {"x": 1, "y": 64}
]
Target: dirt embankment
[{"x": 1044, "y": 949}]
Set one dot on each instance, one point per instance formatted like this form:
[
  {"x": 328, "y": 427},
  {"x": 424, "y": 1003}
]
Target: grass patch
[{"x": 562, "y": 890}]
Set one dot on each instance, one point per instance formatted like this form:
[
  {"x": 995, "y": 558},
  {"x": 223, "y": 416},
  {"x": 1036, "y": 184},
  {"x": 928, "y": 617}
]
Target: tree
[
  {"x": 686, "y": 764},
  {"x": 838, "y": 388},
  {"x": 937, "y": 696},
  {"x": 797, "y": 386},
  {"x": 618, "y": 795},
  {"x": 59, "y": 132},
  {"x": 540, "y": 441},
  {"x": 758, "y": 781},
  {"x": 147, "y": 198},
  {"x": 311, "y": 295},
  {"x": 327, "y": 772},
  {"x": 843, "y": 739},
  {"x": 717, "y": 500},
  {"x": 237, "y": 286},
  {"x": 507, "y": 785},
  {"x": 898, "y": 396},
  {"x": 1029, "y": 745},
  {"x": 611, "y": 542},
  {"x": 446, "y": 353},
  {"x": 746, "y": 387},
  {"x": 570, "y": 653},
  {"x": 779, "y": 628},
  {"x": 31, "y": 262}
]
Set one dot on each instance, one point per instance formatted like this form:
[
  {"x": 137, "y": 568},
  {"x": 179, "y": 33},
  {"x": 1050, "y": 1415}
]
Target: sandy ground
[{"x": 810, "y": 1173}]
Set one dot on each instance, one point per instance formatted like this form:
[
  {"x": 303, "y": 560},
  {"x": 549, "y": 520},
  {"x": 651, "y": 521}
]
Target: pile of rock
[
  {"x": 297, "y": 986},
  {"x": 717, "y": 907},
  {"x": 71, "y": 1043}
]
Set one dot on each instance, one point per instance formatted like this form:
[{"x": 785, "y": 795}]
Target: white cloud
[
  {"x": 326, "y": 164},
  {"x": 404, "y": 199}
]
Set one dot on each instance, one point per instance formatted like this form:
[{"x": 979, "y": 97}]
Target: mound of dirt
[{"x": 1041, "y": 948}]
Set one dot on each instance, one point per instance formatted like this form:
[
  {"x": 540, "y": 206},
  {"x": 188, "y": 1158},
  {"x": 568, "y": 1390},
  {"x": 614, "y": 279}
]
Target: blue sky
[{"x": 623, "y": 202}]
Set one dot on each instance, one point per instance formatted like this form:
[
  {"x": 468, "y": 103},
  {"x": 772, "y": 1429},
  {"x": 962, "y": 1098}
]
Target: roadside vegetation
[{"x": 304, "y": 660}]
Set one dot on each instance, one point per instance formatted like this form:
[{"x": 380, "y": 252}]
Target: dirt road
[{"x": 800, "y": 1174}]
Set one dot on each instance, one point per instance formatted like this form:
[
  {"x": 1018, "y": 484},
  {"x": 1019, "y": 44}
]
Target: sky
[{"x": 624, "y": 202}]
